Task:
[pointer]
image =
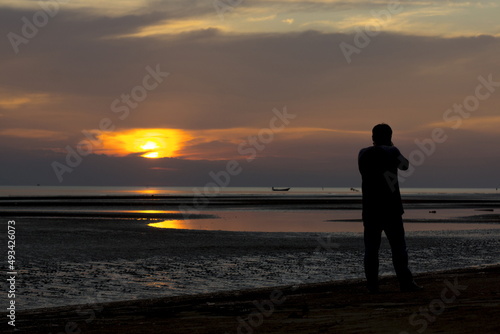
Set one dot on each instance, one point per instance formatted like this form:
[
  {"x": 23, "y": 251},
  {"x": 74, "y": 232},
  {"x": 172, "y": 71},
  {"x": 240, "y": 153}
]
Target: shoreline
[
  {"x": 269, "y": 201},
  {"x": 341, "y": 306}
]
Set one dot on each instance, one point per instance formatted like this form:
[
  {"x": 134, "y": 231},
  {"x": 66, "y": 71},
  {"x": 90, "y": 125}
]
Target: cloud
[
  {"x": 478, "y": 124},
  {"x": 32, "y": 134},
  {"x": 223, "y": 87},
  {"x": 13, "y": 101},
  {"x": 229, "y": 81},
  {"x": 259, "y": 19}
]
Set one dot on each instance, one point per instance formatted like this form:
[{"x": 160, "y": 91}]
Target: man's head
[{"x": 382, "y": 134}]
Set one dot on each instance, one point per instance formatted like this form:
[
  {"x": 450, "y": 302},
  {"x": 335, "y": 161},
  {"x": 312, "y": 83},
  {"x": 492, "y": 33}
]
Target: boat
[{"x": 280, "y": 189}]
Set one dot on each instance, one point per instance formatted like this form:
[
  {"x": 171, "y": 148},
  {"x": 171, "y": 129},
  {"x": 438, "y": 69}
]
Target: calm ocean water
[
  {"x": 63, "y": 258},
  {"x": 6, "y": 191},
  {"x": 256, "y": 209}
]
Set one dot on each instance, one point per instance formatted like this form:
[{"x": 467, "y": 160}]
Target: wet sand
[
  {"x": 64, "y": 261},
  {"x": 103, "y": 251},
  {"x": 456, "y": 301}
]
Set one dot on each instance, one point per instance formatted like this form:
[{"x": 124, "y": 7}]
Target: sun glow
[
  {"x": 150, "y": 145},
  {"x": 151, "y": 155},
  {"x": 147, "y": 143}
]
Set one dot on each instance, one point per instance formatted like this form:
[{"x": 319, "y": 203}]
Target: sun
[
  {"x": 150, "y": 145},
  {"x": 151, "y": 155},
  {"x": 152, "y": 148},
  {"x": 154, "y": 145}
]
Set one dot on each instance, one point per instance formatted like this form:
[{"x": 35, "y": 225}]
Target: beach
[
  {"x": 129, "y": 251},
  {"x": 455, "y": 301},
  {"x": 208, "y": 166}
]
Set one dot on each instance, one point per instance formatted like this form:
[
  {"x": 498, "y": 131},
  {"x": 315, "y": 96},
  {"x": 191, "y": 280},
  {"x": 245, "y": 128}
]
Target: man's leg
[
  {"x": 372, "y": 238},
  {"x": 396, "y": 235}
]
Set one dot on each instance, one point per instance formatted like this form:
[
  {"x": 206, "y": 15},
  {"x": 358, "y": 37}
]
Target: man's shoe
[{"x": 411, "y": 287}]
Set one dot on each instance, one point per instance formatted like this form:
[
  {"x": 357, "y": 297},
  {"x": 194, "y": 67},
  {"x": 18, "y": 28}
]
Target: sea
[
  {"x": 6, "y": 191},
  {"x": 80, "y": 245}
]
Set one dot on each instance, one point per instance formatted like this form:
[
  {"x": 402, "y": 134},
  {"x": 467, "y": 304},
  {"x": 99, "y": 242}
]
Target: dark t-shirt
[{"x": 378, "y": 166}]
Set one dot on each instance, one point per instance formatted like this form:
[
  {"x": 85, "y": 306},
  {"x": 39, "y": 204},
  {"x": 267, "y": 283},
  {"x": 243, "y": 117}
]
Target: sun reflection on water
[
  {"x": 173, "y": 223},
  {"x": 152, "y": 211}
]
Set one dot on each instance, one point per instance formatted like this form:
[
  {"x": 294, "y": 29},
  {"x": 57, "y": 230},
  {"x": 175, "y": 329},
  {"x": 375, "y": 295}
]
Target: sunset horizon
[
  {"x": 174, "y": 91},
  {"x": 250, "y": 166}
]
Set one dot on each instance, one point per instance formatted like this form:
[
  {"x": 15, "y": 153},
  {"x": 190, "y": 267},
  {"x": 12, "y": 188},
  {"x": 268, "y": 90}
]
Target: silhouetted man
[{"x": 382, "y": 207}]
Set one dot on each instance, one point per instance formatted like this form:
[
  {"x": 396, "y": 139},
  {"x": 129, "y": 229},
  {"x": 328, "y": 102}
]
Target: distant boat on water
[{"x": 280, "y": 189}]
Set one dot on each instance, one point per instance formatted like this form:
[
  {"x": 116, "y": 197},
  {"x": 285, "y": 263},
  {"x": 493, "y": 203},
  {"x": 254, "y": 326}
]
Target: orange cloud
[
  {"x": 148, "y": 143},
  {"x": 32, "y": 134},
  {"x": 217, "y": 144},
  {"x": 13, "y": 101}
]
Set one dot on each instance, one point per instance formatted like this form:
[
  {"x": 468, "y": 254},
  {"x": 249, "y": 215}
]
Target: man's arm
[
  {"x": 400, "y": 161},
  {"x": 397, "y": 159},
  {"x": 404, "y": 164},
  {"x": 361, "y": 163}
]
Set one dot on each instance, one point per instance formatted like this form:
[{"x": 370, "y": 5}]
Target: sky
[{"x": 247, "y": 92}]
